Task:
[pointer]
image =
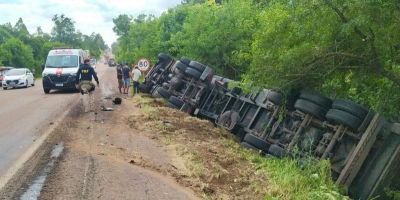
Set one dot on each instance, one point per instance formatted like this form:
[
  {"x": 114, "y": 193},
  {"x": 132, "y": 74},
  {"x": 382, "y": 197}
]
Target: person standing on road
[
  {"x": 126, "y": 75},
  {"x": 136, "y": 74},
  {"x": 119, "y": 77}
]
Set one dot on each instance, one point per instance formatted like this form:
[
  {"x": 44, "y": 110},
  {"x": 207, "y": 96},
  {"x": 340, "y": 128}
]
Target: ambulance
[{"x": 59, "y": 72}]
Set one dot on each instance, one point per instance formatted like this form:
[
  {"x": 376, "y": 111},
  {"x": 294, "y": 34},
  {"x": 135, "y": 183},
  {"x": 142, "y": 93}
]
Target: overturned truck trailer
[
  {"x": 362, "y": 146},
  {"x": 364, "y": 154}
]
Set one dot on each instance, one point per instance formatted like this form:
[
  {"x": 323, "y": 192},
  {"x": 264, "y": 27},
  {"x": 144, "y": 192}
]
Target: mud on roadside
[{"x": 214, "y": 165}]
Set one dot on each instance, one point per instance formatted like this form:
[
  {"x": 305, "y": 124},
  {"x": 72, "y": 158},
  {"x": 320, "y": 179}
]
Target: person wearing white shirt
[{"x": 136, "y": 74}]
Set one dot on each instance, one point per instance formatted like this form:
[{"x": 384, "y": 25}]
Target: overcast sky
[{"x": 89, "y": 15}]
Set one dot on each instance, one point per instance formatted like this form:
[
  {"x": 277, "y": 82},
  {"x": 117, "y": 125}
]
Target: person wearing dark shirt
[
  {"x": 119, "y": 77},
  {"x": 126, "y": 74},
  {"x": 85, "y": 74}
]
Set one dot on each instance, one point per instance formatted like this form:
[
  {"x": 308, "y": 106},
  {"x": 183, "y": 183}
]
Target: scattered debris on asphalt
[
  {"x": 117, "y": 101},
  {"x": 106, "y": 109}
]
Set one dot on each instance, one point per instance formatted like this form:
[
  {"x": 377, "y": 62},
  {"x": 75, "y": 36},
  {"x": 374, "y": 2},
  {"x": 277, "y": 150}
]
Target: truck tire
[
  {"x": 275, "y": 97},
  {"x": 257, "y": 142},
  {"x": 163, "y": 57},
  {"x": 180, "y": 66},
  {"x": 185, "y": 60},
  {"x": 350, "y": 107},
  {"x": 163, "y": 92},
  {"x": 177, "y": 102},
  {"x": 197, "y": 66},
  {"x": 344, "y": 118},
  {"x": 310, "y": 108},
  {"x": 277, "y": 151},
  {"x": 193, "y": 73},
  {"x": 46, "y": 91},
  {"x": 229, "y": 119},
  {"x": 316, "y": 98}
]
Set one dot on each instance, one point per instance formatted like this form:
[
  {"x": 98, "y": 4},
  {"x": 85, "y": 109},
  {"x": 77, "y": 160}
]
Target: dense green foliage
[
  {"x": 343, "y": 48},
  {"x": 19, "y": 48}
]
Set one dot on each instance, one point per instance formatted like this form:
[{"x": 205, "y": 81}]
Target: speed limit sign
[{"x": 143, "y": 64}]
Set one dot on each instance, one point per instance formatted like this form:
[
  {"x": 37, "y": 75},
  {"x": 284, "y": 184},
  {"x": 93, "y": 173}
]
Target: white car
[{"x": 21, "y": 77}]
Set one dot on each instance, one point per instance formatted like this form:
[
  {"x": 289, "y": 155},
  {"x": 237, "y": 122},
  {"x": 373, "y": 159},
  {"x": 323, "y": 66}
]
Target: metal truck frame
[{"x": 363, "y": 147}]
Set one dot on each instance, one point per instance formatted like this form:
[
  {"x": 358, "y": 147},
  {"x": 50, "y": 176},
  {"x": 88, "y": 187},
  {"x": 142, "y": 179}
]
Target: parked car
[
  {"x": 15, "y": 78},
  {"x": 112, "y": 62},
  {"x": 3, "y": 70}
]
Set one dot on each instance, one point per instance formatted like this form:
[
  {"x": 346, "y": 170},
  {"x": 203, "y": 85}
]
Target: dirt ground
[
  {"x": 100, "y": 163},
  {"x": 215, "y": 166},
  {"x": 144, "y": 150},
  {"x": 125, "y": 154}
]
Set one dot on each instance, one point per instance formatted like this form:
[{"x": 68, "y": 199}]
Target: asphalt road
[{"x": 25, "y": 114}]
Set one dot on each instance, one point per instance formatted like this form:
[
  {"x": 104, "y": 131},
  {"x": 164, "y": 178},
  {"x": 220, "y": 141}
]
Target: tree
[
  {"x": 63, "y": 30},
  {"x": 142, "y": 40},
  {"x": 121, "y": 24},
  {"x": 140, "y": 19},
  {"x": 344, "y": 48},
  {"x": 219, "y": 36},
  {"x": 15, "y": 53},
  {"x": 19, "y": 48},
  {"x": 20, "y": 27},
  {"x": 94, "y": 43},
  {"x": 5, "y": 33}
]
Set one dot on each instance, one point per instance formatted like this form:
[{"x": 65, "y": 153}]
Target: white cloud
[{"x": 89, "y": 15}]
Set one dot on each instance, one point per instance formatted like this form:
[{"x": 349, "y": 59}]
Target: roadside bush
[{"x": 284, "y": 44}]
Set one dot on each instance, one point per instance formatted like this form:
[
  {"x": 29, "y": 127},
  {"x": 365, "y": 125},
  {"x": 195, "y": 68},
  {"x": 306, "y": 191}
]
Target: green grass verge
[
  {"x": 295, "y": 179},
  {"x": 290, "y": 181}
]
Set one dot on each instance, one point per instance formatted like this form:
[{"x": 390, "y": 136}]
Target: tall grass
[
  {"x": 289, "y": 180},
  {"x": 293, "y": 178}
]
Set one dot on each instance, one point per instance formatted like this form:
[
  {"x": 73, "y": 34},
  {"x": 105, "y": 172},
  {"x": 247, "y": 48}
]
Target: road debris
[
  {"x": 117, "y": 101},
  {"x": 106, "y": 109}
]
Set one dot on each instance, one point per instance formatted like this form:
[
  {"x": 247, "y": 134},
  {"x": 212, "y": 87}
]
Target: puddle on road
[{"x": 35, "y": 188}]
